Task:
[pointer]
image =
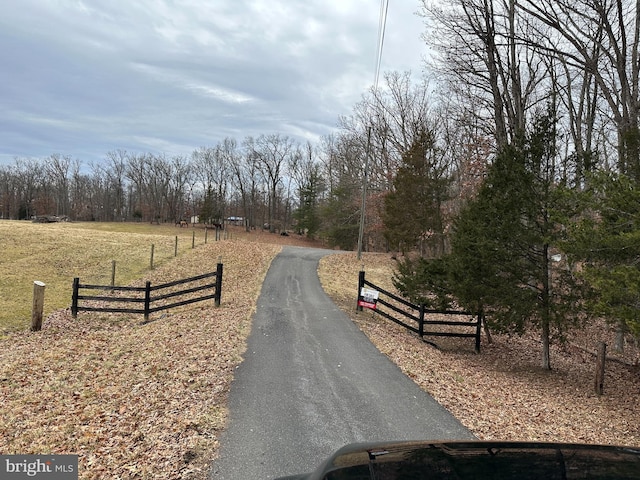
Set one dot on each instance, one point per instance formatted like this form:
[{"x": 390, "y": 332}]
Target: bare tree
[
  {"x": 482, "y": 56},
  {"x": 601, "y": 38},
  {"x": 273, "y": 152},
  {"x": 58, "y": 167},
  {"x": 114, "y": 172},
  {"x": 245, "y": 179},
  {"x": 179, "y": 178}
]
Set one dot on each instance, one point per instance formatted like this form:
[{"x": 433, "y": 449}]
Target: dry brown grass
[{"x": 55, "y": 253}]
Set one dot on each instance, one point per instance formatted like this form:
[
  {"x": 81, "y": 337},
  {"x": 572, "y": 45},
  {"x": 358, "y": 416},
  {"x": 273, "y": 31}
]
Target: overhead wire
[{"x": 382, "y": 24}]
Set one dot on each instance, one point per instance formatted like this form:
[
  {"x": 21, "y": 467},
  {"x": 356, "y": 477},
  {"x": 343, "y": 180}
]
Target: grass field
[{"x": 55, "y": 253}]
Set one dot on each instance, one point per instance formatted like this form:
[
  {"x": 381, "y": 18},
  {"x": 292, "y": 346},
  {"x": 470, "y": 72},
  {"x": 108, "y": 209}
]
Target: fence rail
[
  {"x": 416, "y": 313},
  {"x": 149, "y": 302}
]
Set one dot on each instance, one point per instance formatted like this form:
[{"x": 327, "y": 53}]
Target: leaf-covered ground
[
  {"x": 147, "y": 401},
  {"x": 134, "y": 400},
  {"x": 502, "y": 393}
]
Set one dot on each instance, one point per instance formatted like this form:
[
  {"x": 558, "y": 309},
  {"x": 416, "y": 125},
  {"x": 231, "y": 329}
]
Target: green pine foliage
[
  {"x": 341, "y": 213},
  {"x": 308, "y": 213},
  {"x": 412, "y": 210},
  {"x": 503, "y": 244},
  {"x": 604, "y": 244}
]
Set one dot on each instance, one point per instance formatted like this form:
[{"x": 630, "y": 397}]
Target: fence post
[
  {"x": 193, "y": 239},
  {"x": 360, "y": 287},
  {"x": 113, "y": 273},
  {"x": 421, "y": 322},
  {"x": 478, "y": 331},
  {"x": 147, "y": 300},
  {"x": 218, "y": 294},
  {"x": 74, "y": 297},
  {"x": 151, "y": 261},
  {"x": 206, "y": 233},
  {"x": 175, "y": 249},
  {"x": 38, "y": 306}
]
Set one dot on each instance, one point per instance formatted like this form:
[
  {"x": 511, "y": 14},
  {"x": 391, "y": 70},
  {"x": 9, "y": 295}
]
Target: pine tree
[
  {"x": 505, "y": 240},
  {"x": 605, "y": 242},
  {"x": 412, "y": 210},
  {"x": 503, "y": 244},
  {"x": 308, "y": 215}
]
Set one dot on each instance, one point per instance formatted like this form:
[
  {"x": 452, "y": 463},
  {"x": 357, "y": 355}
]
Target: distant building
[{"x": 237, "y": 221}]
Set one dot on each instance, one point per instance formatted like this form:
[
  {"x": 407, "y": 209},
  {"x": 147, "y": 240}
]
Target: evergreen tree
[
  {"x": 503, "y": 243},
  {"x": 341, "y": 215},
  {"x": 207, "y": 209},
  {"x": 412, "y": 209},
  {"x": 307, "y": 214},
  {"x": 605, "y": 242}
]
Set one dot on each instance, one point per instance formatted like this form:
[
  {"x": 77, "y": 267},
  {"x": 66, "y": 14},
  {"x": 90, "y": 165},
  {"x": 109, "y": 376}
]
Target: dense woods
[{"x": 508, "y": 179}]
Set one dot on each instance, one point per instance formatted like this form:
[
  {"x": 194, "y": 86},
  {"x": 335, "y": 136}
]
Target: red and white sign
[{"x": 368, "y": 298}]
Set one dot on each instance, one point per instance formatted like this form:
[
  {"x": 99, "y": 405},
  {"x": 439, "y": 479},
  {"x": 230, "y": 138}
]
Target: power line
[{"x": 382, "y": 24}]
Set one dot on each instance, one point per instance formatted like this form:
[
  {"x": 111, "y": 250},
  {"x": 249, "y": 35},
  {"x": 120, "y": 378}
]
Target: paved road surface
[{"x": 311, "y": 383}]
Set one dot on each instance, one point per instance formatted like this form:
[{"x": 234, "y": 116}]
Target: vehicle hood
[{"x": 477, "y": 460}]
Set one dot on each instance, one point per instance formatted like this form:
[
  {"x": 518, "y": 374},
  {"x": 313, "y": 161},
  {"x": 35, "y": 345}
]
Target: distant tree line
[{"x": 507, "y": 182}]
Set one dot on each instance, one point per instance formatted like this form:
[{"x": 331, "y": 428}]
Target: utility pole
[{"x": 363, "y": 203}]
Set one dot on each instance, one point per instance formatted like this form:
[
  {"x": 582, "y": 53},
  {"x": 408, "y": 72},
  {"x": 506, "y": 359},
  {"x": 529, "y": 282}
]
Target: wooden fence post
[
  {"x": 206, "y": 233},
  {"x": 175, "y": 249},
  {"x": 151, "y": 261},
  {"x": 478, "y": 332},
  {"x": 74, "y": 297},
  {"x": 38, "y": 306},
  {"x": 421, "y": 321},
  {"x": 600, "y": 361},
  {"x": 147, "y": 300},
  {"x": 218, "y": 294},
  {"x": 193, "y": 239},
  {"x": 360, "y": 287},
  {"x": 113, "y": 273}
]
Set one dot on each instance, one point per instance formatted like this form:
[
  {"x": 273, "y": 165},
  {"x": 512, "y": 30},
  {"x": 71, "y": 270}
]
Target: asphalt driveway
[{"x": 311, "y": 383}]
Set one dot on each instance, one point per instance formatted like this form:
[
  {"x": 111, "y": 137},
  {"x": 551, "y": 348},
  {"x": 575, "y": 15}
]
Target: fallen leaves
[
  {"x": 501, "y": 394},
  {"x": 133, "y": 400}
]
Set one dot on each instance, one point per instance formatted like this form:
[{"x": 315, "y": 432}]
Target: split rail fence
[
  {"x": 412, "y": 316},
  {"x": 150, "y": 299}
]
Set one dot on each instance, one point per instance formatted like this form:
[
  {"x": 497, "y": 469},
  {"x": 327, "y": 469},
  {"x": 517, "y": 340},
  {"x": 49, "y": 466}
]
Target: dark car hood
[{"x": 477, "y": 460}]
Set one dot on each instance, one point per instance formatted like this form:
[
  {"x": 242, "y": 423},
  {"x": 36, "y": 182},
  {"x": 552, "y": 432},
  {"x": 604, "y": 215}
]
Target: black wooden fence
[
  {"x": 403, "y": 312},
  {"x": 152, "y": 298}
]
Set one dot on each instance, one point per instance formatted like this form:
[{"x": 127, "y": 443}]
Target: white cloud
[{"x": 81, "y": 76}]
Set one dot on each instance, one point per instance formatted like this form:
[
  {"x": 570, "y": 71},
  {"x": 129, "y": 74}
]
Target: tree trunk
[
  {"x": 546, "y": 310},
  {"x": 546, "y": 357},
  {"x": 620, "y": 331}
]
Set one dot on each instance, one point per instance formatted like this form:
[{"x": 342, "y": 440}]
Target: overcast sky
[{"x": 85, "y": 77}]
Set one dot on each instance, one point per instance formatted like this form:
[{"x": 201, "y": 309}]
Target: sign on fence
[
  {"x": 407, "y": 314},
  {"x": 369, "y": 298}
]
